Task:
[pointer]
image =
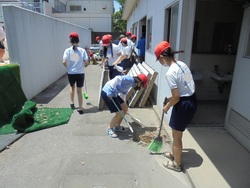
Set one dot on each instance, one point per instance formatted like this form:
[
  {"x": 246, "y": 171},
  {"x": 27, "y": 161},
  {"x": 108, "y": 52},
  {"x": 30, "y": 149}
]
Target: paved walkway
[{"x": 80, "y": 154}]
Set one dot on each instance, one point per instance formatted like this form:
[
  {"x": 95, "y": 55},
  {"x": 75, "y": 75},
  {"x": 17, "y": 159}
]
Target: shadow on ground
[{"x": 52, "y": 91}]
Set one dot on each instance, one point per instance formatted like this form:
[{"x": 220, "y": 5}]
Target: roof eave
[{"x": 128, "y": 7}]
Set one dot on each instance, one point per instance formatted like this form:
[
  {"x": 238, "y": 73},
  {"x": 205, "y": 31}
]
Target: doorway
[{"x": 215, "y": 43}]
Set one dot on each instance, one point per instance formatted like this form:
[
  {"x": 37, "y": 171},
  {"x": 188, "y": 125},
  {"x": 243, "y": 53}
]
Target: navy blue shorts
[
  {"x": 183, "y": 112},
  {"x": 118, "y": 101},
  {"x": 126, "y": 64},
  {"x": 76, "y": 78},
  {"x": 113, "y": 72},
  {"x": 2, "y": 46}
]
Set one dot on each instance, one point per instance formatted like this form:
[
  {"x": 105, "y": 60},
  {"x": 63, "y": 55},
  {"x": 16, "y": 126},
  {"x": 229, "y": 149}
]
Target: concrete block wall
[{"x": 36, "y": 42}]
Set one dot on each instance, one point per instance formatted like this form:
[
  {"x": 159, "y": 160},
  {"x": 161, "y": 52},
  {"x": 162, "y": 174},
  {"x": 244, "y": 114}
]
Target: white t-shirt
[
  {"x": 129, "y": 43},
  {"x": 100, "y": 44},
  {"x": 2, "y": 34},
  {"x": 116, "y": 51},
  {"x": 127, "y": 50},
  {"x": 132, "y": 45},
  {"x": 179, "y": 76},
  {"x": 75, "y": 60}
]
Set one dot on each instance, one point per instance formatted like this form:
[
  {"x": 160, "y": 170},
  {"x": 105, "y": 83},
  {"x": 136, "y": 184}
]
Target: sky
[{"x": 117, "y": 6}]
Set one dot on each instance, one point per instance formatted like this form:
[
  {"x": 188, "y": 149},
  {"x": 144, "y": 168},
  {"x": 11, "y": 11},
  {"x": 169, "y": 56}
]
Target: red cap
[
  {"x": 97, "y": 38},
  {"x": 110, "y": 36},
  {"x": 161, "y": 47},
  {"x": 133, "y": 37},
  {"x": 124, "y": 40},
  {"x": 128, "y": 33},
  {"x": 105, "y": 40},
  {"x": 90, "y": 54},
  {"x": 144, "y": 79},
  {"x": 73, "y": 35}
]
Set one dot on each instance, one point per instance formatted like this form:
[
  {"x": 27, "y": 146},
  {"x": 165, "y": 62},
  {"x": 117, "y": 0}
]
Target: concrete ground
[{"x": 81, "y": 154}]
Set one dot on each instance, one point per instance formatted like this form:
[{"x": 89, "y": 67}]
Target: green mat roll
[{"x": 12, "y": 96}]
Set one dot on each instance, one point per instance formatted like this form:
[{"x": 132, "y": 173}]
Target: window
[
  {"x": 59, "y": 7},
  {"x": 223, "y": 40},
  {"x": 216, "y": 28},
  {"x": 171, "y": 20},
  {"x": 149, "y": 34},
  {"x": 75, "y": 8}
]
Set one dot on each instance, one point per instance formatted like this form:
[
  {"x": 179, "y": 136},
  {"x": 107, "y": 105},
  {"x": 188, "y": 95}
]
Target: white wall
[
  {"x": 93, "y": 7},
  {"x": 206, "y": 89},
  {"x": 7, "y": 3},
  {"x": 93, "y": 15},
  {"x": 239, "y": 97},
  {"x": 156, "y": 11},
  {"x": 238, "y": 121},
  {"x": 47, "y": 8},
  {"x": 95, "y": 22},
  {"x": 37, "y": 43}
]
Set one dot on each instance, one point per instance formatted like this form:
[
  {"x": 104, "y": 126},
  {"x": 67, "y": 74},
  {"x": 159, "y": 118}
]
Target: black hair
[
  {"x": 137, "y": 79},
  {"x": 105, "y": 49},
  {"x": 74, "y": 40},
  {"x": 170, "y": 52}
]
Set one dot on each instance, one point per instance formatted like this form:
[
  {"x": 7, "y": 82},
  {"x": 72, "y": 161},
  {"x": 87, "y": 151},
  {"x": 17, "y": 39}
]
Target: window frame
[
  {"x": 246, "y": 53},
  {"x": 149, "y": 33},
  {"x": 171, "y": 24}
]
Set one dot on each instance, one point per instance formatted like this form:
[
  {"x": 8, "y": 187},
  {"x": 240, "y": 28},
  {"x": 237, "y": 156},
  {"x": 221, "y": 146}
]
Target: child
[{"x": 120, "y": 85}]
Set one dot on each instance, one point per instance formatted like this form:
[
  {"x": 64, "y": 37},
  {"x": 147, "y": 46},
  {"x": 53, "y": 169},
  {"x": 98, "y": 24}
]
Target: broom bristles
[{"x": 155, "y": 145}]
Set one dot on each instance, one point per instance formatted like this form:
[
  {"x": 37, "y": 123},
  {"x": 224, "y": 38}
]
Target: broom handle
[
  {"x": 122, "y": 116},
  {"x": 85, "y": 81},
  {"x": 162, "y": 116}
]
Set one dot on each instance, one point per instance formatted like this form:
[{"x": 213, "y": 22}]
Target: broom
[
  {"x": 157, "y": 143},
  {"x": 131, "y": 129},
  {"x": 85, "y": 95}
]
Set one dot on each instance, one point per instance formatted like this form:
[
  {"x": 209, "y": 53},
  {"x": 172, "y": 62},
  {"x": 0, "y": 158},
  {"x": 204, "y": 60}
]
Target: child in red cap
[
  {"x": 114, "y": 91},
  {"x": 183, "y": 100},
  {"x": 75, "y": 59},
  {"x": 110, "y": 54}
]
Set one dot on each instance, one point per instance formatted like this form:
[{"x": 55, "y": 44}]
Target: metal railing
[{"x": 34, "y": 6}]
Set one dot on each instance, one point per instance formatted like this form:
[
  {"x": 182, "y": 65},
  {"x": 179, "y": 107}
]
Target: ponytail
[
  {"x": 105, "y": 49},
  {"x": 111, "y": 47},
  {"x": 170, "y": 52}
]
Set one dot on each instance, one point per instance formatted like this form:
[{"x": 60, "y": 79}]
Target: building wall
[
  {"x": 238, "y": 116},
  {"x": 149, "y": 9},
  {"x": 36, "y": 42},
  {"x": 201, "y": 63},
  {"x": 94, "y": 15},
  {"x": 94, "y": 22},
  {"x": 93, "y": 7},
  {"x": 155, "y": 10}
]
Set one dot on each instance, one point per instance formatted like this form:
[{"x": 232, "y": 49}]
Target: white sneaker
[{"x": 111, "y": 133}]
